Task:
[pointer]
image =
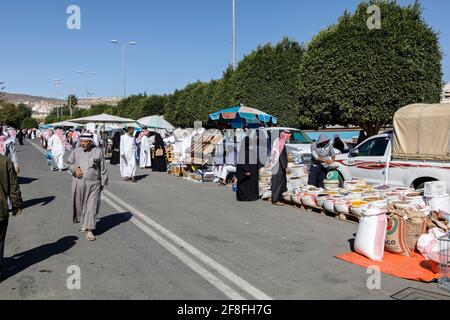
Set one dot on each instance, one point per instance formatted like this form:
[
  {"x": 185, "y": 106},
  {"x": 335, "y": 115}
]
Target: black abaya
[
  {"x": 115, "y": 156},
  {"x": 159, "y": 163},
  {"x": 279, "y": 180},
  {"x": 247, "y": 185}
]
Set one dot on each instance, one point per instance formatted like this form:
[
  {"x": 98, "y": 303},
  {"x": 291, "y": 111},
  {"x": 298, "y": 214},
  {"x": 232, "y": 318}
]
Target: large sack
[
  {"x": 416, "y": 225},
  {"x": 371, "y": 234},
  {"x": 396, "y": 235}
]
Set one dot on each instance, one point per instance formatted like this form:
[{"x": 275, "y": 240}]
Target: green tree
[
  {"x": 72, "y": 102},
  {"x": 9, "y": 114},
  {"x": 24, "y": 111},
  {"x": 268, "y": 79},
  {"x": 29, "y": 123},
  {"x": 353, "y": 75}
]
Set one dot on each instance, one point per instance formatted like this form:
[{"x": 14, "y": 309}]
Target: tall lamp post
[
  {"x": 87, "y": 81},
  {"x": 234, "y": 35},
  {"x": 123, "y": 63},
  {"x": 57, "y": 83}
]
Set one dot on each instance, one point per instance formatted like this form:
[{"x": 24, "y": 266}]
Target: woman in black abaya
[
  {"x": 115, "y": 156},
  {"x": 159, "y": 162},
  {"x": 247, "y": 171}
]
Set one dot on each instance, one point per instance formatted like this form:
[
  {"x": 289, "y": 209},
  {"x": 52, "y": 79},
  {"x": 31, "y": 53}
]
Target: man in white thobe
[
  {"x": 128, "y": 156},
  {"x": 145, "y": 159},
  {"x": 56, "y": 146}
]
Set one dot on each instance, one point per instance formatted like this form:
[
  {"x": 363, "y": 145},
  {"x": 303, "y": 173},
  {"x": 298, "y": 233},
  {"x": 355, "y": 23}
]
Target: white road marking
[
  {"x": 228, "y": 274},
  {"x": 241, "y": 283},
  {"x": 230, "y": 293}
]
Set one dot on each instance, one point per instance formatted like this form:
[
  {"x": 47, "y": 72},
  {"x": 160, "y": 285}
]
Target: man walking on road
[
  {"x": 87, "y": 165},
  {"x": 9, "y": 188},
  {"x": 128, "y": 156}
]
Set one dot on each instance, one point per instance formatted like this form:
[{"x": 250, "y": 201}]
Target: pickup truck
[{"x": 368, "y": 161}]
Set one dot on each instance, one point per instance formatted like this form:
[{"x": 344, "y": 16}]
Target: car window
[
  {"x": 373, "y": 148},
  {"x": 300, "y": 137}
]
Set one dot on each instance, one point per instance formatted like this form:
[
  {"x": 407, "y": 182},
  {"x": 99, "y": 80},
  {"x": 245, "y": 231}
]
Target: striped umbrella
[{"x": 240, "y": 116}]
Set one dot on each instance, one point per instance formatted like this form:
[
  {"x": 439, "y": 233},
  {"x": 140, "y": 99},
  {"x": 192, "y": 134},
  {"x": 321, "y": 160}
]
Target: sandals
[
  {"x": 278, "y": 203},
  {"x": 90, "y": 236},
  {"x": 82, "y": 230}
]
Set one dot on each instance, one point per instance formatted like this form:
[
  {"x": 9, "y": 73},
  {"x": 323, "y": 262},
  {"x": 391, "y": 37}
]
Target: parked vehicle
[
  {"x": 417, "y": 151},
  {"x": 300, "y": 142}
]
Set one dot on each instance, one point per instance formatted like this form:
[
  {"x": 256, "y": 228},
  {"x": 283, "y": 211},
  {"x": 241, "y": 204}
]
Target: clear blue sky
[{"x": 179, "y": 41}]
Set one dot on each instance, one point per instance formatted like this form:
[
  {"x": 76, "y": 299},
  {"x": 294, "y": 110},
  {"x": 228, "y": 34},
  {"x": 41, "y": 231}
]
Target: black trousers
[
  {"x": 3, "y": 227},
  {"x": 317, "y": 174}
]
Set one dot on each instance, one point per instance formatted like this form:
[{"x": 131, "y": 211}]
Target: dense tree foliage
[
  {"x": 349, "y": 74},
  {"x": 355, "y": 75},
  {"x": 29, "y": 123},
  {"x": 13, "y": 115}
]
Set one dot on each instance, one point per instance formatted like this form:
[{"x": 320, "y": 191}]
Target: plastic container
[
  {"x": 392, "y": 197},
  {"x": 320, "y": 199},
  {"x": 415, "y": 198},
  {"x": 403, "y": 204},
  {"x": 328, "y": 204},
  {"x": 287, "y": 196},
  {"x": 357, "y": 207},
  {"x": 342, "y": 206},
  {"x": 435, "y": 189},
  {"x": 309, "y": 200},
  {"x": 439, "y": 203},
  {"x": 297, "y": 198},
  {"x": 331, "y": 184},
  {"x": 379, "y": 204},
  {"x": 333, "y": 175}
]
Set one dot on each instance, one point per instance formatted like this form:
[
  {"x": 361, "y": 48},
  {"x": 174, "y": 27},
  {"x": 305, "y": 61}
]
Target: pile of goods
[
  {"x": 297, "y": 177},
  {"x": 405, "y": 226}
]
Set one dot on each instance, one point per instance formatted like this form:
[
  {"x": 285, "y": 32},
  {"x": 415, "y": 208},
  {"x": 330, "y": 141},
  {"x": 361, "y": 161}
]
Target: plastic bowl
[
  {"x": 328, "y": 204},
  {"x": 342, "y": 206},
  {"x": 309, "y": 200},
  {"x": 402, "y": 204}
]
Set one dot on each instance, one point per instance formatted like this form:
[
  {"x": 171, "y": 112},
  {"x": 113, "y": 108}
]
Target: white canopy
[
  {"x": 66, "y": 124},
  {"x": 104, "y": 118},
  {"x": 156, "y": 122}
]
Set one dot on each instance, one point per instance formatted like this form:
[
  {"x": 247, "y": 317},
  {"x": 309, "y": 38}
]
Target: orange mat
[{"x": 412, "y": 268}]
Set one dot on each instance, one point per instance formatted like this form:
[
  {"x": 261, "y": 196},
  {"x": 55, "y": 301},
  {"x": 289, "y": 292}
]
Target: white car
[
  {"x": 300, "y": 142},
  {"x": 369, "y": 161}
]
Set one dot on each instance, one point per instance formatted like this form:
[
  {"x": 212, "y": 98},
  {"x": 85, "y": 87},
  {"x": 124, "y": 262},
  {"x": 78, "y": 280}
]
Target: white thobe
[
  {"x": 54, "y": 144},
  {"x": 145, "y": 159},
  {"x": 127, "y": 156}
]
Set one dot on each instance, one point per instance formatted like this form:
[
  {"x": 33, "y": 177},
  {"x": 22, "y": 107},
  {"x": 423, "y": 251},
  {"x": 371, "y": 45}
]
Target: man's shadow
[
  {"x": 33, "y": 202},
  {"x": 142, "y": 176},
  {"x": 25, "y": 180},
  {"x": 26, "y": 259},
  {"x": 107, "y": 223}
]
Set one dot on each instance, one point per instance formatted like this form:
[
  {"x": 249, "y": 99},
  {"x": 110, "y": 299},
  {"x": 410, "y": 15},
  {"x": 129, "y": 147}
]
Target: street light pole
[
  {"x": 57, "y": 83},
  {"x": 234, "y": 34},
  {"x": 124, "y": 74},
  {"x": 87, "y": 81},
  {"x": 123, "y": 64}
]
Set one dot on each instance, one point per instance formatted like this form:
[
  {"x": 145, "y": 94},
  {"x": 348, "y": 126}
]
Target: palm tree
[{"x": 72, "y": 102}]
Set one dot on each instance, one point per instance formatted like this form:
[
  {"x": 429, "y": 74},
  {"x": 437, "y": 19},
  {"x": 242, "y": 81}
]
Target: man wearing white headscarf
[
  {"x": 145, "y": 159},
  {"x": 8, "y": 146},
  {"x": 87, "y": 165},
  {"x": 128, "y": 150},
  {"x": 56, "y": 145}
]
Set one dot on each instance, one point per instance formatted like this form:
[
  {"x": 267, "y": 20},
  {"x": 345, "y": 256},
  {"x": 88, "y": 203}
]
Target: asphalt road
[{"x": 168, "y": 238}]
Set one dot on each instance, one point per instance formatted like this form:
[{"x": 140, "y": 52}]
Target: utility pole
[{"x": 234, "y": 35}]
